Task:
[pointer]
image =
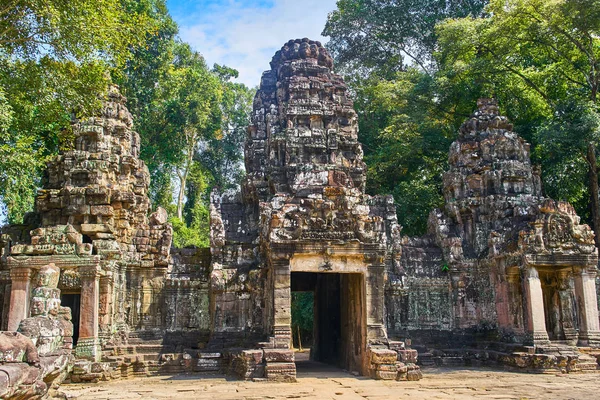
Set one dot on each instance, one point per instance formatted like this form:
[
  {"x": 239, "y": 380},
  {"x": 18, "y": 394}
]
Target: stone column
[
  {"x": 585, "y": 292},
  {"x": 19, "y": 296},
  {"x": 279, "y": 362},
  {"x": 515, "y": 299},
  {"x": 534, "y": 302},
  {"x": 105, "y": 307},
  {"x": 88, "y": 346},
  {"x": 282, "y": 303},
  {"x": 375, "y": 302},
  {"x": 565, "y": 295}
]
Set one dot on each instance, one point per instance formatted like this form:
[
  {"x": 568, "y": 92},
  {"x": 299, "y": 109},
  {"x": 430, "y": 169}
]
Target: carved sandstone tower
[
  {"x": 541, "y": 261},
  {"x": 95, "y": 225},
  {"x": 500, "y": 259},
  {"x": 309, "y": 221}
]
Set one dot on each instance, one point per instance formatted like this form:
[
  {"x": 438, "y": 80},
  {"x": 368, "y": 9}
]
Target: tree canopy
[
  {"x": 386, "y": 36},
  {"x": 416, "y": 78},
  {"x": 55, "y": 59}
]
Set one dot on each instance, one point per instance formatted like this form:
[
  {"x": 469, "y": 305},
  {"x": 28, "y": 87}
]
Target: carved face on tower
[
  {"x": 46, "y": 296},
  {"x": 48, "y": 276},
  {"x": 38, "y": 306}
]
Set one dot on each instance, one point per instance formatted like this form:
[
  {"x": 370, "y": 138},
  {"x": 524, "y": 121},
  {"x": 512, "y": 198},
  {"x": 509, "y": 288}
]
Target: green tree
[
  {"x": 184, "y": 112},
  {"x": 192, "y": 124},
  {"x": 386, "y": 48},
  {"x": 563, "y": 144},
  {"x": 385, "y": 36},
  {"x": 546, "y": 54},
  {"x": 55, "y": 59},
  {"x": 224, "y": 153},
  {"x": 303, "y": 316},
  {"x": 144, "y": 80},
  {"x": 195, "y": 229},
  {"x": 406, "y": 144},
  {"x": 196, "y": 111}
]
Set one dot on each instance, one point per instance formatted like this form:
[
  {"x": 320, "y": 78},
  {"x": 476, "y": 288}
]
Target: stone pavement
[{"x": 323, "y": 382}]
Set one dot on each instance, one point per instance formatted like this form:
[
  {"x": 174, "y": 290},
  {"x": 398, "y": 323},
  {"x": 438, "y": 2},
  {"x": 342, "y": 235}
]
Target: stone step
[
  {"x": 144, "y": 364},
  {"x": 426, "y": 359},
  {"x": 450, "y": 361},
  {"x": 587, "y": 363},
  {"x": 135, "y": 342},
  {"x": 150, "y": 348},
  {"x": 137, "y": 349},
  {"x": 145, "y": 335}
]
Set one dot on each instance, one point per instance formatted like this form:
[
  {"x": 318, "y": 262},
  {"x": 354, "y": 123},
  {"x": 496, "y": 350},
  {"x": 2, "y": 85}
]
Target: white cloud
[{"x": 245, "y": 37}]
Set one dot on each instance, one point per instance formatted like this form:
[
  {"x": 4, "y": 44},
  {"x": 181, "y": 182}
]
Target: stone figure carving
[
  {"x": 38, "y": 354},
  {"x": 46, "y": 295}
]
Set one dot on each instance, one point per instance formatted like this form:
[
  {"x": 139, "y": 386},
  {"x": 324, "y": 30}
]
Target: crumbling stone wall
[
  {"x": 237, "y": 281},
  {"x": 418, "y": 296},
  {"x": 186, "y": 297}
]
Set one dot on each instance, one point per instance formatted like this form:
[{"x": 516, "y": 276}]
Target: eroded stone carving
[{"x": 36, "y": 358}]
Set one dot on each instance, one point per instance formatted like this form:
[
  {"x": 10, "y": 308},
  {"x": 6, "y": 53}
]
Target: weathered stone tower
[
  {"x": 95, "y": 226},
  {"x": 502, "y": 263},
  {"x": 307, "y": 220}
]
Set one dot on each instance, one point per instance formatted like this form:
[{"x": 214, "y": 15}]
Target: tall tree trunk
[
  {"x": 182, "y": 181},
  {"x": 593, "y": 185}
]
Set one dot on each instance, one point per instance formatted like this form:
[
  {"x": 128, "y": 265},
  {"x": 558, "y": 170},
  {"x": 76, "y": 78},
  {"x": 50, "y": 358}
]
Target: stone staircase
[
  {"x": 583, "y": 360},
  {"x": 550, "y": 358},
  {"x": 145, "y": 355},
  {"x": 148, "y": 356}
]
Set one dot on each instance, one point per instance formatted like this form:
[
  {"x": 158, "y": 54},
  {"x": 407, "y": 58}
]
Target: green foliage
[
  {"x": 302, "y": 316},
  {"x": 406, "y": 144},
  {"x": 195, "y": 211},
  {"x": 562, "y": 150},
  {"x": 540, "y": 59},
  {"x": 192, "y": 124},
  {"x": 143, "y": 81},
  {"x": 187, "y": 236},
  {"x": 36, "y": 120},
  {"x": 78, "y": 29},
  {"x": 224, "y": 152},
  {"x": 407, "y": 117},
  {"x": 55, "y": 59},
  {"x": 385, "y": 36}
]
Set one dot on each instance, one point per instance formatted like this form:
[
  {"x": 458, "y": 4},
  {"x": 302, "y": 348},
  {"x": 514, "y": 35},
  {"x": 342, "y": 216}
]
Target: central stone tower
[
  {"x": 304, "y": 133},
  {"x": 307, "y": 223}
]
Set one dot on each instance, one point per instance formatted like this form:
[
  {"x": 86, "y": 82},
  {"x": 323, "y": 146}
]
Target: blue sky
[{"x": 245, "y": 34}]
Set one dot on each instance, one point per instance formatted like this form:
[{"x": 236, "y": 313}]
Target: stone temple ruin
[{"x": 504, "y": 275}]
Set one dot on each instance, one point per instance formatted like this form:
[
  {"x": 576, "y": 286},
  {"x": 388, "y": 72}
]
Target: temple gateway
[{"x": 503, "y": 276}]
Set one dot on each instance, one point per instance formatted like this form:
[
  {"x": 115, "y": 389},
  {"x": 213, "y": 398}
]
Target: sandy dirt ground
[{"x": 323, "y": 382}]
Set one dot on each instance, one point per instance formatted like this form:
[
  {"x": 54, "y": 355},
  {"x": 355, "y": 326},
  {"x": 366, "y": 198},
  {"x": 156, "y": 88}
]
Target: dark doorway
[
  {"x": 339, "y": 330},
  {"x": 552, "y": 309},
  {"x": 72, "y": 300}
]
